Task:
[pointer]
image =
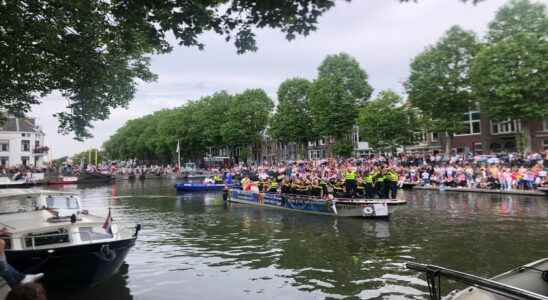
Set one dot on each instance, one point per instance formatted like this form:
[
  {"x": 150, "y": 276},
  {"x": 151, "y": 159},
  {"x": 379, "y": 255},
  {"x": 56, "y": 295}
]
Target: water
[{"x": 192, "y": 247}]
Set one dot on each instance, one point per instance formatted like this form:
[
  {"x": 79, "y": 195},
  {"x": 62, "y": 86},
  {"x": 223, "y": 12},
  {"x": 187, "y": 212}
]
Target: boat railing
[
  {"x": 433, "y": 274},
  {"x": 83, "y": 237}
]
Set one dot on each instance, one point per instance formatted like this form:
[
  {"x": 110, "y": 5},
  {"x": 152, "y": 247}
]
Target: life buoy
[{"x": 367, "y": 211}]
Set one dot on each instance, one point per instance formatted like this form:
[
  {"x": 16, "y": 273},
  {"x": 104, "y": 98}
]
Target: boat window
[
  {"x": 47, "y": 238},
  {"x": 93, "y": 233},
  {"x": 62, "y": 202}
]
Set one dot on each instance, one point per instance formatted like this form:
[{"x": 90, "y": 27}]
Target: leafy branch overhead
[{"x": 95, "y": 52}]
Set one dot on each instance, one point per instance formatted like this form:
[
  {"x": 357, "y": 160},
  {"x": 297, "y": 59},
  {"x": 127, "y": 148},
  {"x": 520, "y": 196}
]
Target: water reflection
[{"x": 193, "y": 247}]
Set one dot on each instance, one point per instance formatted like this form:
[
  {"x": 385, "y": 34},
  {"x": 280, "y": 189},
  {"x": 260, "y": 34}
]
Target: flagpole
[{"x": 179, "y": 156}]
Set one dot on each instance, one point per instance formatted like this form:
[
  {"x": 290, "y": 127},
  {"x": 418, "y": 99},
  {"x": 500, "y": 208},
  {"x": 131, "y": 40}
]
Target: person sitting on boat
[{"x": 9, "y": 273}]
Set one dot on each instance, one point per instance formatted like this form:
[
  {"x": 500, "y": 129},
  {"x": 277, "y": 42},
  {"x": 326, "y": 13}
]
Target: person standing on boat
[
  {"x": 9, "y": 273},
  {"x": 350, "y": 182},
  {"x": 392, "y": 183}
]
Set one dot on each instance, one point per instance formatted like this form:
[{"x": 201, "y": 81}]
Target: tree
[
  {"x": 518, "y": 16},
  {"x": 511, "y": 80},
  {"x": 386, "y": 124},
  {"x": 439, "y": 84},
  {"x": 88, "y": 156},
  {"x": 247, "y": 119},
  {"x": 335, "y": 96},
  {"x": 292, "y": 122},
  {"x": 94, "y": 52},
  {"x": 510, "y": 74}
]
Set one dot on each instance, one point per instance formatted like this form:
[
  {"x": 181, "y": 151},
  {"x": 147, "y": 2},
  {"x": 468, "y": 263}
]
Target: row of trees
[
  {"x": 306, "y": 110},
  {"x": 505, "y": 73}
]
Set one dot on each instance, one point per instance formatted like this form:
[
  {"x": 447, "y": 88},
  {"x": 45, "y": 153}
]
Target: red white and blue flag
[{"x": 107, "y": 226}]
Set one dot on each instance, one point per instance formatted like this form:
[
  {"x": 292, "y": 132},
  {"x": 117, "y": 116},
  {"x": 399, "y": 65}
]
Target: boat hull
[
  {"x": 73, "y": 266},
  {"x": 198, "y": 187},
  {"x": 373, "y": 209}
]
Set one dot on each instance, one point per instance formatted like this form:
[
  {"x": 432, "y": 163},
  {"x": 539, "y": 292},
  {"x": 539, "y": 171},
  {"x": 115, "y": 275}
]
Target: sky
[{"x": 383, "y": 35}]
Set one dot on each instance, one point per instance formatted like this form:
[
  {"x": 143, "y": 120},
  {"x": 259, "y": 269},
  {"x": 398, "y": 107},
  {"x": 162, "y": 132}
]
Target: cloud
[{"x": 383, "y": 35}]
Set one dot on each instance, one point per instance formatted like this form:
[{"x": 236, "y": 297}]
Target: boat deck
[{"x": 20, "y": 222}]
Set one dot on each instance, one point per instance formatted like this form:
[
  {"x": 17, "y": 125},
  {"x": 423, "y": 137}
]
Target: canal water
[{"x": 193, "y": 247}]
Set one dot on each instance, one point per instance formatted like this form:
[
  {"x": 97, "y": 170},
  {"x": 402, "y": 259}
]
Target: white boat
[
  {"x": 69, "y": 245},
  {"x": 525, "y": 282},
  {"x": 21, "y": 181}
]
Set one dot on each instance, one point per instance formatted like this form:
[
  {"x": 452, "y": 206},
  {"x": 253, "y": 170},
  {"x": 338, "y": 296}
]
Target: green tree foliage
[
  {"x": 518, "y": 16},
  {"x": 510, "y": 74},
  {"x": 291, "y": 123},
  {"x": 218, "y": 120},
  {"x": 335, "y": 96},
  {"x": 439, "y": 84},
  {"x": 247, "y": 118},
  {"x": 87, "y": 156},
  {"x": 94, "y": 52},
  {"x": 386, "y": 124}
]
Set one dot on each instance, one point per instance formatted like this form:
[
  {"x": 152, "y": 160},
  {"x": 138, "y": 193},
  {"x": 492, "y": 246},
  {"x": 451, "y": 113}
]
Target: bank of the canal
[{"x": 192, "y": 247}]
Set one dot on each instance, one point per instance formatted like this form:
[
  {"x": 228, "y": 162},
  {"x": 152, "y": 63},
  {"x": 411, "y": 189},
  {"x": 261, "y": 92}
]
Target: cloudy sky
[{"x": 383, "y": 35}]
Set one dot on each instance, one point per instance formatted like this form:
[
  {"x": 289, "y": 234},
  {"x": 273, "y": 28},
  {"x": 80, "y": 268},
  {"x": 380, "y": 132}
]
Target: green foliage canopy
[
  {"x": 291, "y": 121},
  {"x": 95, "y": 52},
  {"x": 386, "y": 124},
  {"x": 335, "y": 96},
  {"x": 439, "y": 84}
]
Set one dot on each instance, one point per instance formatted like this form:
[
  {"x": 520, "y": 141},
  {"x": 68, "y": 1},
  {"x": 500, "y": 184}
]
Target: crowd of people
[{"x": 380, "y": 176}]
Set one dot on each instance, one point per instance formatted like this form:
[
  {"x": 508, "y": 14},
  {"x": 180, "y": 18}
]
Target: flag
[
  {"x": 107, "y": 226},
  {"x": 178, "y": 149}
]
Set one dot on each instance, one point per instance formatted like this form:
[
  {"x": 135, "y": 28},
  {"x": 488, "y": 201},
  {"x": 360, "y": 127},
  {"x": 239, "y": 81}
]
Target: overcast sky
[{"x": 383, "y": 35}]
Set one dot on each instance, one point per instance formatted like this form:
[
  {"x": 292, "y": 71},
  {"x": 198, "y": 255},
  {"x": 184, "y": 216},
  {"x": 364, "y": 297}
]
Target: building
[
  {"x": 21, "y": 143},
  {"x": 480, "y": 135}
]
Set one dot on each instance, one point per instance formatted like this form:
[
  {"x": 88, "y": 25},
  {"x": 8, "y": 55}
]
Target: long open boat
[
  {"x": 342, "y": 207},
  {"x": 525, "y": 282},
  {"x": 199, "y": 187}
]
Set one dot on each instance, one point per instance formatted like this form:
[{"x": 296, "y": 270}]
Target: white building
[{"x": 22, "y": 143}]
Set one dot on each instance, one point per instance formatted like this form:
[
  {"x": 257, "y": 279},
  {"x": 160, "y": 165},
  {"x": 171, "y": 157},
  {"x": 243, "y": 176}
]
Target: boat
[
  {"x": 338, "y": 207},
  {"x": 525, "y": 282},
  {"x": 81, "y": 179},
  {"x": 408, "y": 185},
  {"x": 72, "y": 247},
  {"x": 198, "y": 187},
  {"x": 21, "y": 181},
  {"x": 543, "y": 189}
]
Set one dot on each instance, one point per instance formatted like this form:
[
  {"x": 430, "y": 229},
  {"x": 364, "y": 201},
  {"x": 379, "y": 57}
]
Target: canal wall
[{"x": 486, "y": 191}]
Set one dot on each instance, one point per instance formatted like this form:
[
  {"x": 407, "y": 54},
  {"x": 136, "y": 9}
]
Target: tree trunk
[
  {"x": 448, "y": 143},
  {"x": 527, "y": 138}
]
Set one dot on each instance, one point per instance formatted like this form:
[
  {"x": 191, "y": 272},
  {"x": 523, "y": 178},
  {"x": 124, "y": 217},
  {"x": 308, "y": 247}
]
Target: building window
[
  {"x": 4, "y": 146},
  {"x": 315, "y": 154},
  {"x": 545, "y": 144},
  {"x": 471, "y": 123},
  {"x": 25, "y": 160},
  {"x": 25, "y": 145},
  {"x": 435, "y": 136},
  {"x": 4, "y": 161},
  {"x": 478, "y": 148},
  {"x": 505, "y": 127},
  {"x": 545, "y": 125},
  {"x": 36, "y": 144},
  {"x": 321, "y": 142}
]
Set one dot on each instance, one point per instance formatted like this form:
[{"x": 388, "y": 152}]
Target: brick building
[{"x": 480, "y": 135}]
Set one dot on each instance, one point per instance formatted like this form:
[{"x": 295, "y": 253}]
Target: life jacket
[{"x": 351, "y": 175}]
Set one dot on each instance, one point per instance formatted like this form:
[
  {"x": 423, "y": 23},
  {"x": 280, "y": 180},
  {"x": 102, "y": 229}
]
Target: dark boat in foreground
[
  {"x": 70, "y": 246},
  {"x": 525, "y": 282},
  {"x": 338, "y": 207}
]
